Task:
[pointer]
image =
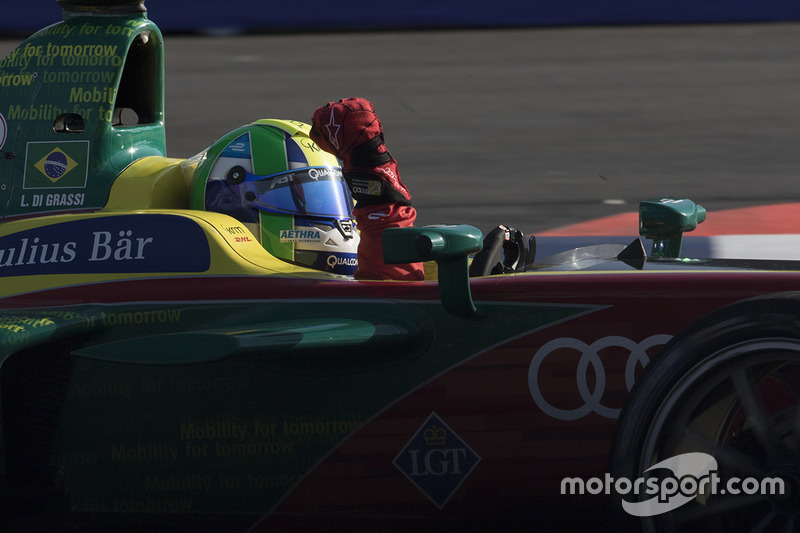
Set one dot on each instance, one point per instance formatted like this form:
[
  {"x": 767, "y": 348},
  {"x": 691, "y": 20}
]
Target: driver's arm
[{"x": 351, "y": 130}]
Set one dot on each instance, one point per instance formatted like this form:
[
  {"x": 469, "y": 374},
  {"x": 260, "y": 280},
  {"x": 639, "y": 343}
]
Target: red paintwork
[
  {"x": 524, "y": 452},
  {"x": 711, "y": 287}
]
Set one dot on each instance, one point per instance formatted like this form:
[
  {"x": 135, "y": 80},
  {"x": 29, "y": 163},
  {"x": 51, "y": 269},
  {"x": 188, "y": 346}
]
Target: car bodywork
[{"x": 160, "y": 367}]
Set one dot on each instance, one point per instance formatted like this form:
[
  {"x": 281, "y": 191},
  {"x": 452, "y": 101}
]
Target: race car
[{"x": 183, "y": 346}]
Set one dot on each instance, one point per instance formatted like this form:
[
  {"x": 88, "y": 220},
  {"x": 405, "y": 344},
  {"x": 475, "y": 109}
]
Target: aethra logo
[{"x": 288, "y": 235}]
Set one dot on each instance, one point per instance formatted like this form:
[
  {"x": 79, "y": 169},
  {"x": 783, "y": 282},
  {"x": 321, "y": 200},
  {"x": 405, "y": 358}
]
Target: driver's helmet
[{"x": 272, "y": 177}]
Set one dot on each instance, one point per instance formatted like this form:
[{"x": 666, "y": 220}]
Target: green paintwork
[
  {"x": 267, "y": 397},
  {"x": 62, "y": 93},
  {"x": 271, "y": 225},
  {"x": 276, "y": 340}
]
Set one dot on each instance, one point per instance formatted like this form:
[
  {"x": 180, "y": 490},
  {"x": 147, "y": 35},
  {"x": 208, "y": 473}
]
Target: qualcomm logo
[
  {"x": 436, "y": 460},
  {"x": 334, "y": 261}
]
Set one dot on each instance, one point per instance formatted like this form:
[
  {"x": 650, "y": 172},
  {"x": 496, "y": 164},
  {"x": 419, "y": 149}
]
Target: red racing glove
[{"x": 351, "y": 131}]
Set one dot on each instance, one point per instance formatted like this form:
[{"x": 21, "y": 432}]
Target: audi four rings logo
[
  {"x": 3, "y": 130},
  {"x": 590, "y": 357}
]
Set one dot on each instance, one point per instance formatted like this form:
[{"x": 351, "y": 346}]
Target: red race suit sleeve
[{"x": 371, "y": 221}]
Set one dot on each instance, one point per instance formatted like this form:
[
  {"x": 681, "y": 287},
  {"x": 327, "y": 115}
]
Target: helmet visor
[{"x": 319, "y": 191}]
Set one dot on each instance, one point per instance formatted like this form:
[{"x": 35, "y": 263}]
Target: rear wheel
[{"x": 729, "y": 388}]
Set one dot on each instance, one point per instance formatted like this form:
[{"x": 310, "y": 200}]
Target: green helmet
[{"x": 273, "y": 178}]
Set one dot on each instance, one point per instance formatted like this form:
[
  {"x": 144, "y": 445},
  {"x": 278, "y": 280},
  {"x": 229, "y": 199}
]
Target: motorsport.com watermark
[{"x": 693, "y": 474}]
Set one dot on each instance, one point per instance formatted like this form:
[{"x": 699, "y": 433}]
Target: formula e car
[{"x": 164, "y": 368}]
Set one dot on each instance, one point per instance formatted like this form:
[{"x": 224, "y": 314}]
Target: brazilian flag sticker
[{"x": 62, "y": 165}]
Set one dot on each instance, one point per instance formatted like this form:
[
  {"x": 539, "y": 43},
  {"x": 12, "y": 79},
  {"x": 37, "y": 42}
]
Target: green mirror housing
[
  {"x": 664, "y": 220},
  {"x": 450, "y": 246}
]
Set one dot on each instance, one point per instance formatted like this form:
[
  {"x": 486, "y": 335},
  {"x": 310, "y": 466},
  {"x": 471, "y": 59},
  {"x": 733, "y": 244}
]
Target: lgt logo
[{"x": 436, "y": 460}]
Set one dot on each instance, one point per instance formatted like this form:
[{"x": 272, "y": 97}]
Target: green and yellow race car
[{"x": 184, "y": 346}]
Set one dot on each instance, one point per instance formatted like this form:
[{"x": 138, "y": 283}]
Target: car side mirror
[
  {"x": 450, "y": 246},
  {"x": 664, "y": 220}
]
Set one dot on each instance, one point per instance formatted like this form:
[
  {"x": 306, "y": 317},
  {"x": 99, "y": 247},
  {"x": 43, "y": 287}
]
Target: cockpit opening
[{"x": 136, "y": 99}]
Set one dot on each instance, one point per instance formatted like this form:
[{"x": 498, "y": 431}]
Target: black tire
[{"x": 729, "y": 387}]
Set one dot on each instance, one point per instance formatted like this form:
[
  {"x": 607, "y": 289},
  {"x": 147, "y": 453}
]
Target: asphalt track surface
[{"x": 536, "y": 128}]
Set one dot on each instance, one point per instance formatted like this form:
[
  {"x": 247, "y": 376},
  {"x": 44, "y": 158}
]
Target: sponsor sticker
[
  {"x": 296, "y": 235},
  {"x": 56, "y": 165},
  {"x": 115, "y": 244},
  {"x": 239, "y": 148},
  {"x": 436, "y": 460},
  {"x": 591, "y": 385},
  {"x": 341, "y": 260}
]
